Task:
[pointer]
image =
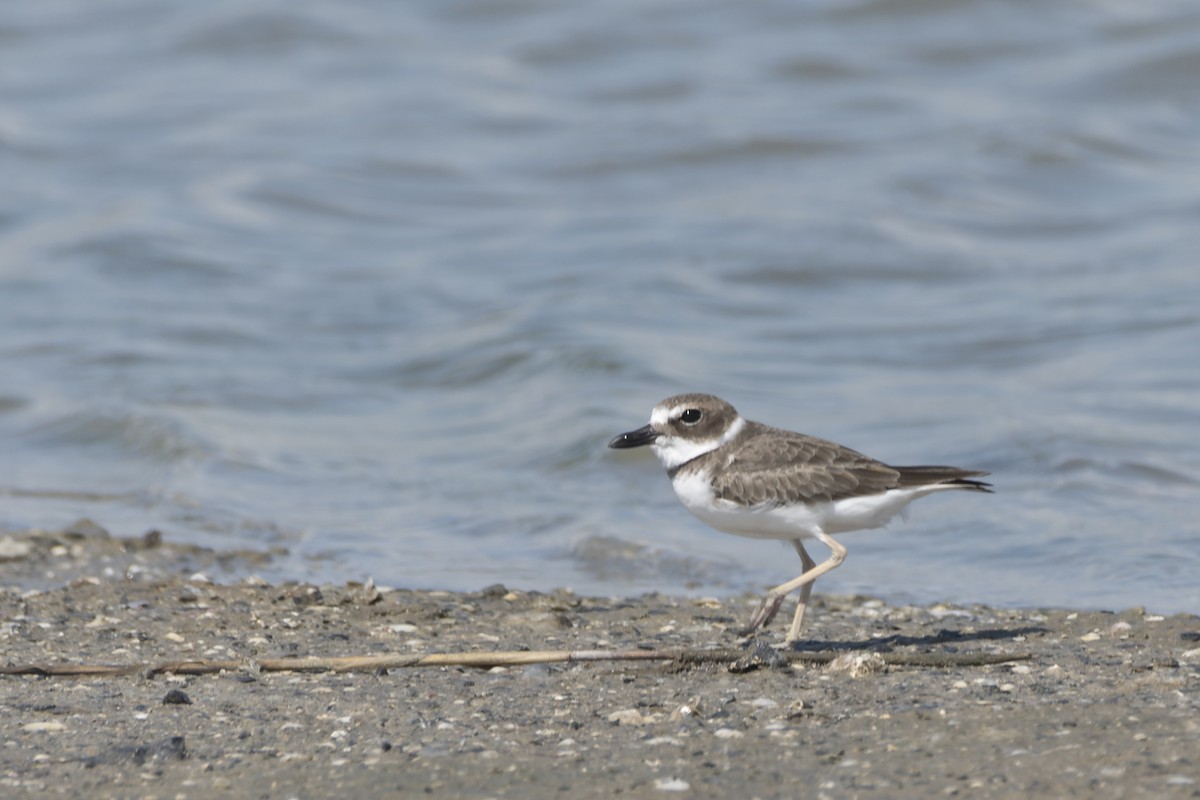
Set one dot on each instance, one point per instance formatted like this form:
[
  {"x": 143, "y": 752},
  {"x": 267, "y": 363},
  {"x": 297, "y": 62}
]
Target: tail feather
[{"x": 943, "y": 476}]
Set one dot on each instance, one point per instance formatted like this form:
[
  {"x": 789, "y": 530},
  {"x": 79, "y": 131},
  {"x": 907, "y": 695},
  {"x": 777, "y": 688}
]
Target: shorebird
[{"x": 750, "y": 479}]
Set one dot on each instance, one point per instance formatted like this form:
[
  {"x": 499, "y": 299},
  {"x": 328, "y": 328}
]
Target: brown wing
[{"x": 775, "y": 467}]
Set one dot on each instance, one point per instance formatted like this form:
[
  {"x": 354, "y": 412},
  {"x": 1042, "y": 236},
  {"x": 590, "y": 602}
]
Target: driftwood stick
[{"x": 486, "y": 660}]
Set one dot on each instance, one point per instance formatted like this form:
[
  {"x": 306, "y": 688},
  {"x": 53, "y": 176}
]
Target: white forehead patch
[{"x": 660, "y": 416}]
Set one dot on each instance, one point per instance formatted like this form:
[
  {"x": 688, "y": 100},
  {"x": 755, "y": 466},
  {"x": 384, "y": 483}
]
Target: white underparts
[{"x": 798, "y": 521}]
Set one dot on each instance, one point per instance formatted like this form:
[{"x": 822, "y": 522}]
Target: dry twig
[{"x": 510, "y": 658}]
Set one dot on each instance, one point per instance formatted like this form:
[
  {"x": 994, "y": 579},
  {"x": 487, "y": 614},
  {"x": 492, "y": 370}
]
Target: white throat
[{"x": 675, "y": 450}]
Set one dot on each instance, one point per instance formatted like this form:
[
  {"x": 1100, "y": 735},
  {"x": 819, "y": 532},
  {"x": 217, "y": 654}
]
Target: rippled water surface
[{"x": 376, "y": 282}]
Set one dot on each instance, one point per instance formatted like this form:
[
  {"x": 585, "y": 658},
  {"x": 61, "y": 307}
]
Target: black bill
[{"x": 642, "y": 436}]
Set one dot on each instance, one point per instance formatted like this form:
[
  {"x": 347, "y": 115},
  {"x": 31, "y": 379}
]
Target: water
[{"x": 376, "y": 282}]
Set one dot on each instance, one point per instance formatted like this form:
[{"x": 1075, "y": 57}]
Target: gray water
[{"x": 376, "y": 282}]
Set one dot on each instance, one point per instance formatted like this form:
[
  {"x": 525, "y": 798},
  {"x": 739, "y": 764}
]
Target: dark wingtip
[
  {"x": 944, "y": 476},
  {"x": 977, "y": 486}
]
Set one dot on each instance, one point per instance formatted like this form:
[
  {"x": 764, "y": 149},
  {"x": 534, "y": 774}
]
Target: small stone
[
  {"x": 173, "y": 747},
  {"x": 175, "y": 697},
  {"x": 658, "y": 740},
  {"x": 760, "y": 654},
  {"x": 367, "y": 594},
  {"x": 44, "y": 727},
  {"x": 627, "y": 716},
  {"x": 857, "y": 665},
  {"x": 671, "y": 785},
  {"x": 13, "y": 549},
  {"x": 683, "y": 712}
]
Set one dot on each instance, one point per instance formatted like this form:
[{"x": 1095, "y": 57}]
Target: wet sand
[{"x": 1093, "y": 704}]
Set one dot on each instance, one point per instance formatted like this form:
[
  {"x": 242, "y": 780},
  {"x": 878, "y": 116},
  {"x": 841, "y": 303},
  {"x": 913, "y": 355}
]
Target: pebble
[
  {"x": 671, "y": 785},
  {"x": 942, "y": 611},
  {"x": 683, "y": 712},
  {"x": 857, "y": 665},
  {"x": 631, "y": 716},
  {"x": 13, "y": 549}
]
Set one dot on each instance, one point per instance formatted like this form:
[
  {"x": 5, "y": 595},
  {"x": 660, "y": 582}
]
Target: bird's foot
[{"x": 766, "y": 612}]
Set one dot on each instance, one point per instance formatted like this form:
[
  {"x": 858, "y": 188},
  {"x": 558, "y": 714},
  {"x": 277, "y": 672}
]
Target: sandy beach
[{"x": 881, "y": 701}]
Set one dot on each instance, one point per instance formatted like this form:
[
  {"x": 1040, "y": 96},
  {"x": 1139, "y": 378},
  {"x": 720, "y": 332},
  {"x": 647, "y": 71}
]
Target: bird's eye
[{"x": 691, "y": 416}]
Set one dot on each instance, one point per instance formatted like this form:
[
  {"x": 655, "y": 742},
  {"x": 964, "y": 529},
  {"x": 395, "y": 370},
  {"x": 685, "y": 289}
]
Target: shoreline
[{"x": 1106, "y": 704}]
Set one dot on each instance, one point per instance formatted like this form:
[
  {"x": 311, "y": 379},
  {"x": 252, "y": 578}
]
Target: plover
[{"x": 750, "y": 479}]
